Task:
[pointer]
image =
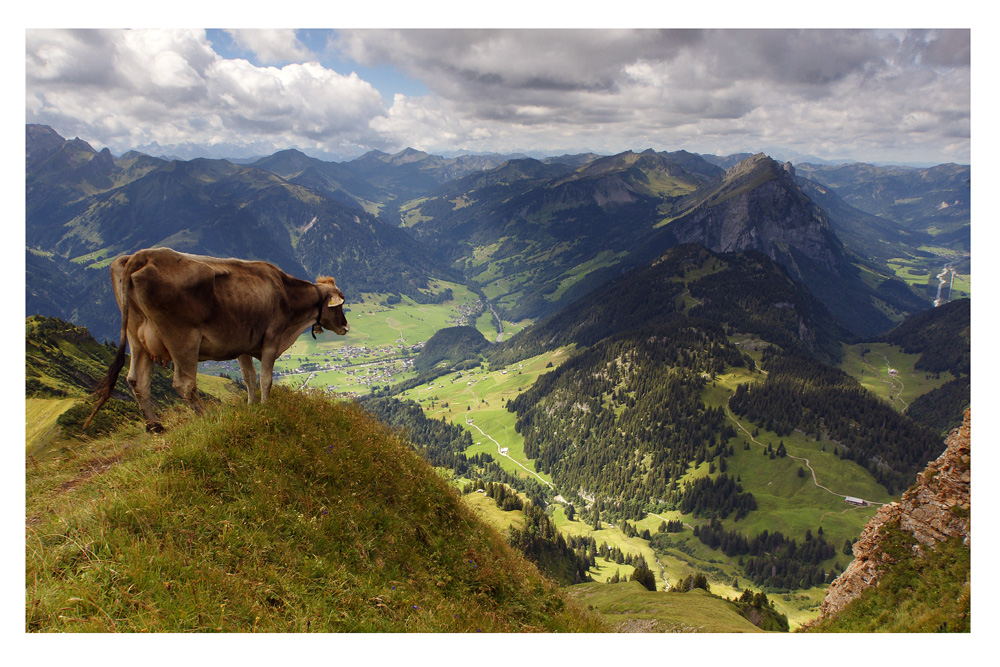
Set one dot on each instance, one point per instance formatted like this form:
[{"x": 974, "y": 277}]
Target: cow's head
[{"x": 332, "y": 317}]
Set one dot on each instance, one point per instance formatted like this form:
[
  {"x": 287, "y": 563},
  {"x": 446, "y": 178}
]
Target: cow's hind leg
[
  {"x": 139, "y": 379},
  {"x": 249, "y": 377},
  {"x": 185, "y": 358}
]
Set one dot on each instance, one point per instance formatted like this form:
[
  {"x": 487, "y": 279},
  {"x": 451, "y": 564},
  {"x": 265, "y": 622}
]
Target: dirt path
[{"x": 510, "y": 458}]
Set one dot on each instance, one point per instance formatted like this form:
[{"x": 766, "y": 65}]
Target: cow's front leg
[
  {"x": 249, "y": 377},
  {"x": 266, "y": 374}
]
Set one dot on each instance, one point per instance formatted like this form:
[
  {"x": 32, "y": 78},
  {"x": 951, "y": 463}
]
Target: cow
[{"x": 189, "y": 308}]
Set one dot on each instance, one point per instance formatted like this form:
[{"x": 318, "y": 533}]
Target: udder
[{"x": 150, "y": 339}]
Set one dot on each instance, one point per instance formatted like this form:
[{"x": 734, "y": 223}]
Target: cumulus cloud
[
  {"x": 138, "y": 88},
  {"x": 864, "y": 94},
  {"x": 272, "y": 47},
  {"x": 836, "y": 92}
]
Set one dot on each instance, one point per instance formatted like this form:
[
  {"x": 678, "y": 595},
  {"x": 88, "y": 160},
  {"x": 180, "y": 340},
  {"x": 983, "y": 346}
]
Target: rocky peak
[
  {"x": 936, "y": 508},
  {"x": 753, "y": 164}
]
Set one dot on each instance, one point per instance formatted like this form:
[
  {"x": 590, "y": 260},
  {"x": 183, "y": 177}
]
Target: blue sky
[{"x": 385, "y": 78}]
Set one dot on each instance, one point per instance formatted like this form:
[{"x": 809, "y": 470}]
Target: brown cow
[{"x": 189, "y": 308}]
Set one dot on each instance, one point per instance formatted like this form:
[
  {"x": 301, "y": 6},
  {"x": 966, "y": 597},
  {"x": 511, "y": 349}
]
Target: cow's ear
[{"x": 336, "y": 300}]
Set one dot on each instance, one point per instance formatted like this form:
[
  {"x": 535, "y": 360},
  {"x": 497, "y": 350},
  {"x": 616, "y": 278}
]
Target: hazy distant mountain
[{"x": 933, "y": 201}]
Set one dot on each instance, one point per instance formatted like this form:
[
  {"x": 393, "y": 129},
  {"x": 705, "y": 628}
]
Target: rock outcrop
[{"x": 935, "y": 508}]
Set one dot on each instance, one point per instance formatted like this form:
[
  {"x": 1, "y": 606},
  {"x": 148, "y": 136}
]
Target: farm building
[{"x": 856, "y": 501}]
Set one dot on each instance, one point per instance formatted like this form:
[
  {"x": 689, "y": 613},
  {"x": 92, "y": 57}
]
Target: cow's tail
[{"x": 104, "y": 390}]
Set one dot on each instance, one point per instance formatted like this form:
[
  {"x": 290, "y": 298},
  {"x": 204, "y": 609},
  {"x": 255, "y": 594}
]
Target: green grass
[
  {"x": 786, "y": 502},
  {"x": 629, "y": 606},
  {"x": 40, "y": 420},
  {"x": 917, "y": 271},
  {"x": 299, "y": 515},
  {"x": 917, "y": 593},
  {"x": 484, "y": 401},
  {"x": 872, "y": 371}
]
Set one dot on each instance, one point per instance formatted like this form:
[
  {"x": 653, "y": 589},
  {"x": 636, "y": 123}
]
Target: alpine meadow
[{"x": 636, "y": 378}]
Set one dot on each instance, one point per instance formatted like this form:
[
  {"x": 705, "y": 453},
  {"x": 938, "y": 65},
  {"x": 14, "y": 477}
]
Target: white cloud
[
  {"x": 135, "y": 88},
  {"x": 839, "y": 92},
  {"x": 272, "y": 47},
  {"x": 873, "y": 95}
]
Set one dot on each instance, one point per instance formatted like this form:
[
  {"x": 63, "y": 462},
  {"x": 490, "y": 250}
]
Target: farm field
[{"x": 920, "y": 272}]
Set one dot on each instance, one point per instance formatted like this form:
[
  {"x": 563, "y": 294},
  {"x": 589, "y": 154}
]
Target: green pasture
[
  {"x": 615, "y": 538},
  {"x": 40, "y": 415},
  {"x": 377, "y": 325},
  {"x": 871, "y": 369},
  {"x": 785, "y": 501},
  {"x": 921, "y": 271},
  {"x": 486, "y": 509},
  {"x": 481, "y": 395},
  {"x": 629, "y": 604},
  {"x": 580, "y": 271}
]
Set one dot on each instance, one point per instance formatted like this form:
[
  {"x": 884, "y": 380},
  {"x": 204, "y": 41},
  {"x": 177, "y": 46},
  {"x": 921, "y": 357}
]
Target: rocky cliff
[
  {"x": 934, "y": 509},
  {"x": 758, "y": 206}
]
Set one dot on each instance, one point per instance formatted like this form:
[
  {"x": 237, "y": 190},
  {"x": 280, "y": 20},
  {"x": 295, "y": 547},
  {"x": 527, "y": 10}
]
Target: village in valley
[
  {"x": 352, "y": 369},
  {"x": 380, "y": 349}
]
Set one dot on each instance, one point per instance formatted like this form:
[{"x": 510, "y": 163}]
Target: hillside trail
[
  {"x": 468, "y": 422},
  {"x": 892, "y": 384},
  {"x": 515, "y": 461},
  {"x": 398, "y": 331},
  {"x": 797, "y": 458}
]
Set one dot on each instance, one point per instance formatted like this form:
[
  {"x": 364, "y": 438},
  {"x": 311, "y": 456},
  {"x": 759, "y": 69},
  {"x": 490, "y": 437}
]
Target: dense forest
[
  {"x": 565, "y": 558},
  {"x": 624, "y": 419},
  {"x": 741, "y": 292},
  {"x": 751, "y": 294},
  {"x": 450, "y": 346},
  {"x": 770, "y": 559},
  {"x": 942, "y": 337},
  {"x": 942, "y": 409},
  {"x": 803, "y": 394}
]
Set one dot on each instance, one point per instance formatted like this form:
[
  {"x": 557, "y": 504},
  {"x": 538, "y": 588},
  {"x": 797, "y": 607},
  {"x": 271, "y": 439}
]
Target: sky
[{"x": 884, "y": 96}]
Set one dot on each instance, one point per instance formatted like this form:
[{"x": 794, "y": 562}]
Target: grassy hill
[
  {"x": 62, "y": 365},
  {"x": 301, "y": 515},
  {"x": 632, "y": 608}
]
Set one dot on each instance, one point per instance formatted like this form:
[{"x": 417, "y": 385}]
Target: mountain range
[{"x": 530, "y": 235}]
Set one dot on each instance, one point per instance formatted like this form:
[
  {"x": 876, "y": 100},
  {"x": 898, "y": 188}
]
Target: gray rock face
[{"x": 758, "y": 206}]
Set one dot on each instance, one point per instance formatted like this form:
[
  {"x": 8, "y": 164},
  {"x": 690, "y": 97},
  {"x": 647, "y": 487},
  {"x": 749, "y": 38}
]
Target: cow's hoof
[{"x": 155, "y": 428}]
